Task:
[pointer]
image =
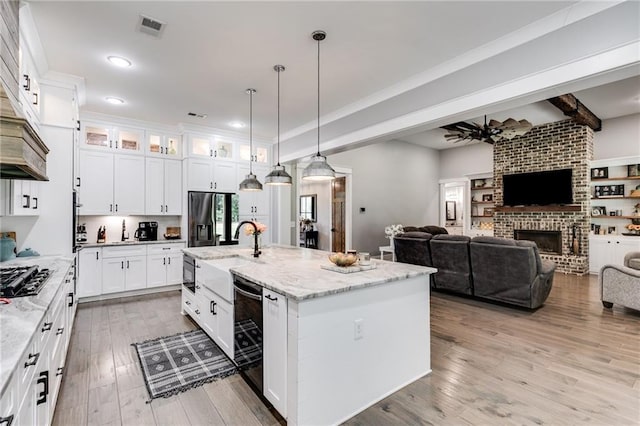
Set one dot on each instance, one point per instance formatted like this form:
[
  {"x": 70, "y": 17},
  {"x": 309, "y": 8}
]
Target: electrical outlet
[{"x": 358, "y": 329}]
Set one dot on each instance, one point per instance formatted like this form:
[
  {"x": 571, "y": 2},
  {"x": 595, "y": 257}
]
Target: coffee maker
[{"x": 147, "y": 231}]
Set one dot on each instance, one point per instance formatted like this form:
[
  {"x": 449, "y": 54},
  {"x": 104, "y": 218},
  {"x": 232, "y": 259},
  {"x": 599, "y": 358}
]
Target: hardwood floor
[{"x": 570, "y": 362}]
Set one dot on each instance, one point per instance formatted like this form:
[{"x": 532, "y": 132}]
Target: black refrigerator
[{"x": 201, "y": 219}]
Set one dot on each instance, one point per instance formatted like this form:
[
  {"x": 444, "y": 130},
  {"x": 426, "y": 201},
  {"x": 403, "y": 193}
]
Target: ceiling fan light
[
  {"x": 250, "y": 183},
  {"x": 278, "y": 176},
  {"x": 318, "y": 170}
]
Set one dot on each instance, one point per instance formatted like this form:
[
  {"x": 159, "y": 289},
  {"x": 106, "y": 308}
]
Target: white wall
[
  {"x": 465, "y": 160},
  {"x": 396, "y": 182},
  {"x": 619, "y": 137},
  {"x": 51, "y": 232}
]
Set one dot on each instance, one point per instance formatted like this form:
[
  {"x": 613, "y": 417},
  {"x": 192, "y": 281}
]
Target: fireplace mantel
[{"x": 528, "y": 209}]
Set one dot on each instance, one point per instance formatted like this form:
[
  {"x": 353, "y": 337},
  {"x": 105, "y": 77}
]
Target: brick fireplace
[{"x": 552, "y": 146}]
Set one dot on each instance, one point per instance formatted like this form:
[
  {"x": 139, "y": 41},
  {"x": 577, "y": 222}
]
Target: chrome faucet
[{"x": 256, "y": 252}]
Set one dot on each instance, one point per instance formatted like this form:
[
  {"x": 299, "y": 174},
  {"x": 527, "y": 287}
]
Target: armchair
[{"x": 621, "y": 284}]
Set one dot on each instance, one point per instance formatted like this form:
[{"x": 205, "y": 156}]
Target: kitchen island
[{"x": 334, "y": 343}]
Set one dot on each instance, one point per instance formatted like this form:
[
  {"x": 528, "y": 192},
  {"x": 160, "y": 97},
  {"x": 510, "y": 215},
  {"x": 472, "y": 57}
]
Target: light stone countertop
[
  {"x": 19, "y": 319},
  {"x": 126, "y": 243},
  {"x": 296, "y": 273}
]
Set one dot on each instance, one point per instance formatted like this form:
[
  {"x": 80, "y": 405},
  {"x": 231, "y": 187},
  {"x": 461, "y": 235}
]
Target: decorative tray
[{"x": 348, "y": 269}]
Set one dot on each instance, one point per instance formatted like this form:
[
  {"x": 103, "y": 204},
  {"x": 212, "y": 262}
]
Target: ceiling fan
[{"x": 490, "y": 133}]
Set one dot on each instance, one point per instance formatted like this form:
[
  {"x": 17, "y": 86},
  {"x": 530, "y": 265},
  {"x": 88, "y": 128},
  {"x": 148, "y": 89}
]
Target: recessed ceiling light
[
  {"x": 114, "y": 101},
  {"x": 119, "y": 61},
  {"x": 237, "y": 124}
]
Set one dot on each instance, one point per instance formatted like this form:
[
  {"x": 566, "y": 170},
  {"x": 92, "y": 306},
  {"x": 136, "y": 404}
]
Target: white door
[
  {"x": 113, "y": 274},
  {"x": 225, "y": 176},
  {"x": 274, "y": 317},
  {"x": 96, "y": 182},
  {"x": 154, "y": 187},
  {"x": 129, "y": 185},
  {"x": 89, "y": 272},
  {"x": 200, "y": 175},
  {"x": 156, "y": 270},
  {"x": 136, "y": 272},
  {"x": 173, "y": 187},
  {"x": 224, "y": 312},
  {"x": 174, "y": 268}
]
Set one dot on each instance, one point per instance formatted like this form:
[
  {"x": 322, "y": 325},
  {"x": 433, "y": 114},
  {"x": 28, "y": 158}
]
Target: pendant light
[
  {"x": 278, "y": 175},
  {"x": 318, "y": 169},
  {"x": 251, "y": 182}
]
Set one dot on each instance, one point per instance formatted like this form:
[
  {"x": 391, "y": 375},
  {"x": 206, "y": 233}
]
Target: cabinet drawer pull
[
  {"x": 60, "y": 331},
  {"x": 127, "y": 264},
  {"x": 161, "y": 208},
  {"x": 59, "y": 371},
  {"x": 270, "y": 297},
  {"x": 97, "y": 256},
  {"x": 27, "y": 201},
  {"x": 122, "y": 264},
  {"x": 197, "y": 311},
  {"x": 44, "y": 380},
  {"x": 35, "y": 99},
  {"x": 166, "y": 208},
  {"x": 161, "y": 150},
  {"x": 169, "y": 260},
  {"x": 33, "y": 360},
  {"x": 78, "y": 182},
  {"x": 166, "y": 248},
  {"x": 36, "y": 201},
  {"x": 47, "y": 326},
  {"x": 71, "y": 295},
  {"x": 187, "y": 302},
  {"x": 198, "y": 287},
  {"x": 212, "y": 307},
  {"x": 6, "y": 421},
  {"x": 116, "y": 207},
  {"x": 164, "y": 260},
  {"x": 27, "y": 85}
]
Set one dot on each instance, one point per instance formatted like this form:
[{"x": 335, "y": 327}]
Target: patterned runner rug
[
  {"x": 177, "y": 363},
  {"x": 247, "y": 344}
]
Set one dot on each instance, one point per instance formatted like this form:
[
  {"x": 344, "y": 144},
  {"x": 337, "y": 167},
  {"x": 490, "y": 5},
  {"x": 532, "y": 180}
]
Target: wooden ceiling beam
[{"x": 572, "y": 107}]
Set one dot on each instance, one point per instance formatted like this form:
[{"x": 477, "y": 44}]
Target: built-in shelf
[
  {"x": 527, "y": 209},
  {"x": 615, "y": 178},
  {"x": 616, "y": 197},
  {"x": 604, "y": 216},
  {"x": 478, "y": 188}
]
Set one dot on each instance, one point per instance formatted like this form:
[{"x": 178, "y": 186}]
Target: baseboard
[{"x": 130, "y": 293}]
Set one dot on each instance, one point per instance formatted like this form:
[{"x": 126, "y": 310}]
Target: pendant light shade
[
  {"x": 278, "y": 175},
  {"x": 250, "y": 182},
  {"x": 318, "y": 169}
]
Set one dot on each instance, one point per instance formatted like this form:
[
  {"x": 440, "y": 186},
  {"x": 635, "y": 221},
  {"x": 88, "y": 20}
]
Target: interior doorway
[
  {"x": 452, "y": 211},
  {"x": 338, "y": 207}
]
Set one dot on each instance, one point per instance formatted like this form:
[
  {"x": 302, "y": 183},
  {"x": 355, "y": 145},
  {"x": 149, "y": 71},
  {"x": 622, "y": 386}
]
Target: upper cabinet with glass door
[
  {"x": 259, "y": 155},
  {"x": 108, "y": 137},
  {"x": 163, "y": 145},
  {"x": 211, "y": 146}
]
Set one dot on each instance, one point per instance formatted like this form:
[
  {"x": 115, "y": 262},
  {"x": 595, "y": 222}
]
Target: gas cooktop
[{"x": 22, "y": 281}]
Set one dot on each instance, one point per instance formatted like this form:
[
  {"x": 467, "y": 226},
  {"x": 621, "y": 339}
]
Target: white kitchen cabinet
[
  {"x": 225, "y": 177},
  {"x": 211, "y": 146},
  {"x": 23, "y": 198},
  {"x": 214, "y": 295},
  {"x": 260, "y": 154},
  {"x": 164, "y": 264},
  {"x": 274, "y": 320},
  {"x": 124, "y": 268},
  {"x": 163, "y": 145},
  {"x": 211, "y": 175},
  {"x": 111, "y": 184},
  {"x": 29, "y": 88},
  {"x": 609, "y": 249},
  {"x": 163, "y": 181},
  {"x": 109, "y": 137},
  {"x": 248, "y": 240},
  {"x": 254, "y": 203},
  {"x": 89, "y": 272}
]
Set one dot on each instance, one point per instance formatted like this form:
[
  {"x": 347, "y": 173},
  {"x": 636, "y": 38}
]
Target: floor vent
[{"x": 150, "y": 26}]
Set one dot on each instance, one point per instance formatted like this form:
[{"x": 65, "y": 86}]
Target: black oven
[
  {"x": 247, "y": 311},
  {"x": 189, "y": 273}
]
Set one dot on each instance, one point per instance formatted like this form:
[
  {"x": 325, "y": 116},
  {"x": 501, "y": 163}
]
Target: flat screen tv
[{"x": 538, "y": 188}]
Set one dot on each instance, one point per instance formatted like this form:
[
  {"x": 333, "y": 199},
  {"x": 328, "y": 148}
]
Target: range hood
[{"x": 23, "y": 154}]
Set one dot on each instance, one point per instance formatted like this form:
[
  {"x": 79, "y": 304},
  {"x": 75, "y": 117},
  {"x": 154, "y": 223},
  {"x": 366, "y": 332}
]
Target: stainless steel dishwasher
[{"x": 248, "y": 330}]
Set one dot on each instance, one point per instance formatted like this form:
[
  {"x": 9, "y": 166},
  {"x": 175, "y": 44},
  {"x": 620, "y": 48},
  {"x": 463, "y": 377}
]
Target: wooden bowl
[{"x": 342, "y": 259}]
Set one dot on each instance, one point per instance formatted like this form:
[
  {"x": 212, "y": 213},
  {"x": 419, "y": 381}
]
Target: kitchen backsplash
[{"x": 114, "y": 226}]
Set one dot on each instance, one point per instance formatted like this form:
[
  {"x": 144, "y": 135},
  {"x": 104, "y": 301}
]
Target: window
[
  {"x": 226, "y": 218},
  {"x": 308, "y": 207}
]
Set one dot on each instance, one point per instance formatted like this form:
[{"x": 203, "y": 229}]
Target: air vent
[
  {"x": 150, "y": 26},
  {"x": 195, "y": 114}
]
